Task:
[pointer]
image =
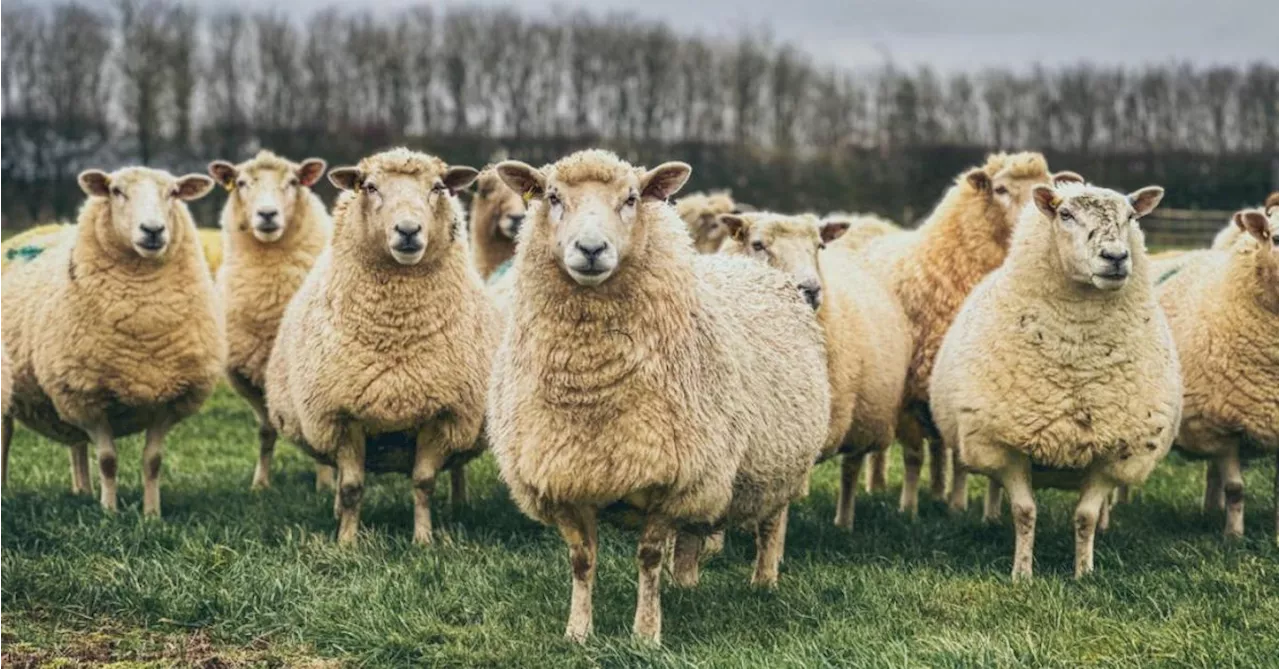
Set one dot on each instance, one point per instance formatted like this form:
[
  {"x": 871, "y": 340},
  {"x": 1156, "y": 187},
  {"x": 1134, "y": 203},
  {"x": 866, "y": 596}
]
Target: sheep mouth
[
  {"x": 150, "y": 248},
  {"x": 268, "y": 232},
  {"x": 590, "y": 276}
]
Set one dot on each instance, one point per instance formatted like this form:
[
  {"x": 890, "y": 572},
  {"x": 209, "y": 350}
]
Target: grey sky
[{"x": 951, "y": 34}]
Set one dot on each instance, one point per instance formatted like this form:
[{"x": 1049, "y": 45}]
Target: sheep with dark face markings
[
  {"x": 1060, "y": 369},
  {"x": 383, "y": 355},
  {"x": 635, "y": 372},
  {"x": 114, "y": 330}
]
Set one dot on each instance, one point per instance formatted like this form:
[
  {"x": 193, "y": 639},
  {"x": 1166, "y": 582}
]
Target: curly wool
[
  {"x": 1222, "y": 310},
  {"x": 690, "y": 386},
  {"x": 395, "y": 349},
  {"x": 96, "y": 334},
  {"x": 1072, "y": 377},
  {"x": 257, "y": 279}
]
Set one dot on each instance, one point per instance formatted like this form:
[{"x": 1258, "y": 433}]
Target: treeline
[{"x": 164, "y": 83}]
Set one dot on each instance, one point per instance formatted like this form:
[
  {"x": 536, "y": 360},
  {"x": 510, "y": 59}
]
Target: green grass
[{"x": 236, "y": 577}]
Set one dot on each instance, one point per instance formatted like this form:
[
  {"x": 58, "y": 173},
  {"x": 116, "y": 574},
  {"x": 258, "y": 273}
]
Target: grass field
[{"x": 232, "y": 577}]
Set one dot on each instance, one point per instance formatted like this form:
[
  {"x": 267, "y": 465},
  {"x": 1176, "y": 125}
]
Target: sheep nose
[
  {"x": 268, "y": 215},
  {"x": 1116, "y": 257},
  {"x": 152, "y": 228},
  {"x": 812, "y": 293},
  {"x": 591, "y": 250},
  {"x": 408, "y": 228}
]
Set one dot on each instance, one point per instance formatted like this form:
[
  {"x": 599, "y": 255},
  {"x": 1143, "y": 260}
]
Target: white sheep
[
  {"x": 636, "y": 373},
  {"x": 383, "y": 355},
  {"x": 115, "y": 331},
  {"x": 273, "y": 228},
  {"x": 1060, "y": 369},
  {"x": 496, "y": 215}
]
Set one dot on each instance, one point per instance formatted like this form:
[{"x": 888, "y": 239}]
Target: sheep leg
[
  {"x": 266, "y": 444},
  {"x": 458, "y": 486},
  {"x": 1104, "y": 516},
  {"x": 937, "y": 468},
  {"x": 912, "y": 460},
  {"x": 1214, "y": 494},
  {"x": 1093, "y": 496},
  {"x": 428, "y": 457},
  {"x": 105, "y": 447},
  {"x": 648, "y": 621},
  {"x": 1016, "y": 480},
  {"x": 1122, "y": 495},
  {"x": 877, "y": 471},
  {"x": 958, "y": 501},
  {"x": 6, "y": 437},
  {"x": 713, "y": 545},
  {"x": 325, "y": 478},
  {"x": 684, "y": 561},
  {"x": 79, "y": 456},
  {"x": 992, "y": 505},
  {"x": 771, "y": 534},
  {"x": 351, "y": 485},
  {"x": 578, "y": 527},
  {"x": 849, "y": 468},
  {"x": 152, "y": 454},
  {"x": 1233, "y": 491}
]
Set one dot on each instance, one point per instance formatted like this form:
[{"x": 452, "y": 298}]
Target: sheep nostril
[
  {"x": 591, "y": 251},
  {"x": 408, "y": 229}
]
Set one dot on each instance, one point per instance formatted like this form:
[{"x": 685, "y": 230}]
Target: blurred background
[{"x": 809, "y": 105}]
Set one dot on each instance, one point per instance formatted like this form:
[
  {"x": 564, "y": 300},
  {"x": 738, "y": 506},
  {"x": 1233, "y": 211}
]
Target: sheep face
[
  {"x": 705, "y": 227},
  {"x": 144, "y": 205},
  {"x": 499, "y": 209},
  {"x": 1262, "y": 229},
  {"x": 267, "y": 189},
  {"x": 1005, "y": 183},
  {"x": 1093, "y": 230},
  {"x": 792, "y": 244},
  {"x": 401, "y": 208},
  {"x": 592, "y": 225}
]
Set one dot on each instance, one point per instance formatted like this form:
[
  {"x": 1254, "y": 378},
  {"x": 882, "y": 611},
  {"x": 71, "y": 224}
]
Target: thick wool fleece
[
  {"x": 391, "y": 348},
  {"x": 257, "y": 279},
  {"x": 1222, "y": 310},
  {"x": 492, "y": 200},
  {"x": 933, "y": 269},
  {"x": 863, "y": 228},
  {"x": 1073, "y": 377},
  {"x": 6, "y": 382},
  {"x": 97, "y": 332},
  {"x": 690, "y": 386}
]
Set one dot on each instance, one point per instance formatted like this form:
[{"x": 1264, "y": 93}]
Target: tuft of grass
[{"x": 235, "y": 578}]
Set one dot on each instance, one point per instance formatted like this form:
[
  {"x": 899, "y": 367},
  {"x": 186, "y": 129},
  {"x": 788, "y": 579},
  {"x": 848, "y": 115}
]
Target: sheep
[
  {"x": 862, "y": 228},
  {"x": 868, "y": 339},
  {"x": 273, "y": 228},
  {"x": 382, "y": 358},
  {"x": 495, "y": 218},
  {"x": 115, "y": 331},
  {"x": 637, "y": 373},
  {"x": 700, "y": 212},
  {"x": 1060, "y": 369},
  {"x": 931, "y": 270},
  {"x": 6, "y": 421},
  {"x": 1227, "y": 236},
  {"x": 1222, "y": 310}
]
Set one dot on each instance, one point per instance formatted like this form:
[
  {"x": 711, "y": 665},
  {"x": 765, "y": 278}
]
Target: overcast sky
[{"x": 949, "y": 34}]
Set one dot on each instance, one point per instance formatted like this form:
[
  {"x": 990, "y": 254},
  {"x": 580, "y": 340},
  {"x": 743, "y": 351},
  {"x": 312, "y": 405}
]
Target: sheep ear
[
  {"x": 459, "y": 177},
  {"x": 1047, "y": 200},
  {"x": 192, "y": 187},
  {"x": 737, "y": 226},
  {"x": 1273, "y": 201},
  {"x": 833, "y": 230},
  {"x": 310, "y": 171},
  {"x": 1067, "y": 177},
  {"x": 1145, "y": 199},
  {"x": 95, "y": 183},
  {"x": 978, "y": 179},
  {"x": 664, "y": 180},
  {"x": 224, "y": 173},
  {"x": 344, "y": 178},
  {"x": 522, "y": 178},
  {"x": 1253, "y": 222}
]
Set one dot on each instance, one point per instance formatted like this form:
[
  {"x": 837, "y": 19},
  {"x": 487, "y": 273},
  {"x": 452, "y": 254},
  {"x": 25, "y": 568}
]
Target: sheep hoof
[{"x": 578, "y": 636}]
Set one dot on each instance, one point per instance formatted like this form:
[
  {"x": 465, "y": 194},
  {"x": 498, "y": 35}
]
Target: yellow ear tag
[
  {"x": 229, "y": 185},
  {"x": 1057, "y": 201},
  {"x": 528, "y": 195}
]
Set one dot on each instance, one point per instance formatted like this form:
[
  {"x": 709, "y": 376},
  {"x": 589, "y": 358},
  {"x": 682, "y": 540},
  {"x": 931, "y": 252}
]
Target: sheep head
[
  {"x": 497, "y": 208},
  {"x": 143, "y": 206},
  {"x": 401, "y": 203},
  {"x": 1005, "y": 181},
  {"x": 268, "y": 189},
  {"x": 701, "y": 213},
  {"x": 1262, "y": 229},
  {"x": 1092, "y": 229},
  {"x": 591, "y": 216},
  {"x": 792, "y": 244}
]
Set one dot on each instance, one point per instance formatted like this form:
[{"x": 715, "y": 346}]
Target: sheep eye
[
  {"x": 631, "y": 200},
  {"x": 294, "y": 182},
  {"x": 1001, "y": 190},
  {"x": 553, "y": 199},
  {"x": 437, "y": 187},
  {"x": 117, "y": 192},
  {"x": 757, "y": 245},
  {"x": 1065, "y": 215},
  {"x": 241, "y": 183},
  {"x": 370, "y": 188},
  {"x": 822, "y": 246}
]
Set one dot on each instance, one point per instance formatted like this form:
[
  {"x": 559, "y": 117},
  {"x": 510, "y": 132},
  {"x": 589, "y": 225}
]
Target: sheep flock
[{"x": 678, "y": 364}]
